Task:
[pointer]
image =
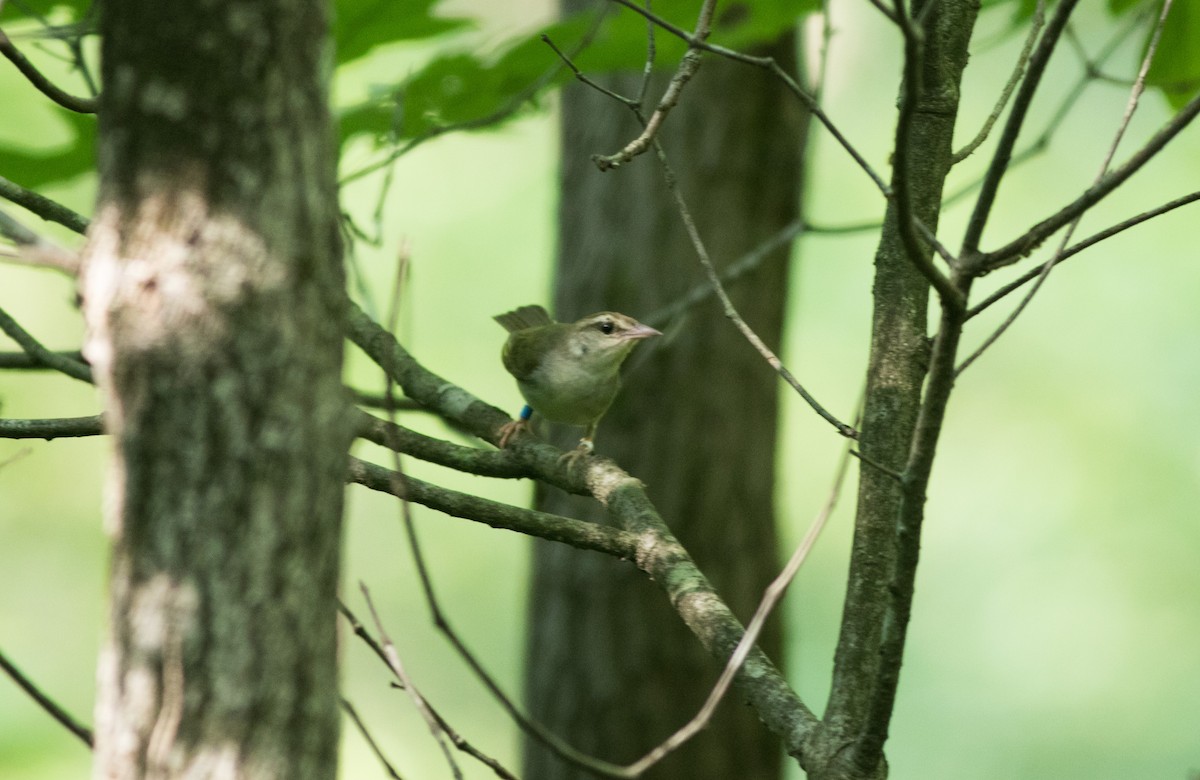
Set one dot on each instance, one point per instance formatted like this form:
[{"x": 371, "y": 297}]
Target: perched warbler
[{"x": 567, "y": 372}]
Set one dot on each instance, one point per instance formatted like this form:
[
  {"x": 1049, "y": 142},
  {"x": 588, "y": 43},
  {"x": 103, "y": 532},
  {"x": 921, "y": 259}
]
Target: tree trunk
[
  {"x": 213, "y": 288},
  {"x": 610, "y": 667}
]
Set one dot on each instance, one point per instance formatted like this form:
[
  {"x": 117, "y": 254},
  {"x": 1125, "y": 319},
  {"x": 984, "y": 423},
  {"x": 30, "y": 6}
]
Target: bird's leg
[
  {"x": 512, "y": 428},
  {"x": 585, "y": 448}
]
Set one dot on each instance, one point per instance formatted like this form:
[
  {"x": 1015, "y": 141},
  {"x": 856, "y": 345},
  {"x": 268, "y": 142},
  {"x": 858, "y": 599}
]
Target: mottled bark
[
  {"x": 609, "y": 665},
  {"x": 213, "y": 296},
  {"x": 887, "y": 524}
]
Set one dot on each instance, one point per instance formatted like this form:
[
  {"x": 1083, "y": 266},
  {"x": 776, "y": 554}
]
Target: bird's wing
[
  {"x": 524, "y": 350},
  {"x": 530, "y": 316}
]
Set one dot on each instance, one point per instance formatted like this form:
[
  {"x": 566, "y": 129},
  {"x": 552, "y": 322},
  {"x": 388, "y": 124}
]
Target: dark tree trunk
[
  {"x": 610, "y": 667},
  {"x": 213, "y": 289}
]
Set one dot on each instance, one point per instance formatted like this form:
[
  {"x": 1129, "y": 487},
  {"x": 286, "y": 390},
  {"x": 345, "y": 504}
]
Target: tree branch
[
  {"x": 37, "y": 250},
  {"x": 35, "y": 77},
  {"x": 35, "y": 350},
  {"x": 45, "y": 702},
  {"x": 1035, "y": 27},
  {"x": 52, "y": 428},
  {"x": 576, "y": 533},
  {"x": 1086, "y": 243},
  {"x": 683, "y": 74},
  {"x": 44, "y": 207},
  {"x": 486, "y": 463},
  {"x": 1012, "y": 129},
  {"x": 910, "y": 103},
  {"x": 658, "y": 553},
  {"x": 1026, "y": 243},
  {"x": 768, "y": 64}
]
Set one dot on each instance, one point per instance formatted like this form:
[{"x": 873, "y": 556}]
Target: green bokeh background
[{"x": 1057, "y": 620}]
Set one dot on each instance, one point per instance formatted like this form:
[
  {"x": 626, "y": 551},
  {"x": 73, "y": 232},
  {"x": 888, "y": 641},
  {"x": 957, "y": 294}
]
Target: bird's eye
[{"x": 606, "y": 327}]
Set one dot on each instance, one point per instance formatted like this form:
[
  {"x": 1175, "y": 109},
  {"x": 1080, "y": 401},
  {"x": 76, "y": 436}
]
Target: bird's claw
[
  {"x": 585, "y": 449},
  {"x": 510, "y": 430}
]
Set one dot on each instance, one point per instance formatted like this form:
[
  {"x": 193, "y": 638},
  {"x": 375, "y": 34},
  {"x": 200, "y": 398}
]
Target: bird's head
[{"x": 606, "y": 338}]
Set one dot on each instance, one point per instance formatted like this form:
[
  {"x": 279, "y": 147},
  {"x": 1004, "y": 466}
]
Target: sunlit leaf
[
  {"x": 361, "y": 25},
  {"x": 468, "y": 87},
  {"x": 33, "y": 168},
  {"x": 1175, "y": 70}
]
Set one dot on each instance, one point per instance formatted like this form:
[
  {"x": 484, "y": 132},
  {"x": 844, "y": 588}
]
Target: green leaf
[
  {"x": 38, "y": 167},
  {"x": 1175, "y": 70},
  {"x": 361, "y": 25},
  {"x": 467, "y": 88},
  {"x": 14, "y": 10}
]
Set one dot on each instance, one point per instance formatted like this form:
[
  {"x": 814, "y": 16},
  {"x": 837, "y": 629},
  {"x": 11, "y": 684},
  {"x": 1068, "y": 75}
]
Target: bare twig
[
  {"x": 1130, "y": 106},
  {"x": 1086, "y": 243},
  {"x": 371, "y": 743},
  {"x": 35, "y": 350},
  {"x": 393, "y": 660},
  {"x": 556, "y": 528},
  {"x": 44, "y": 207},
  {"x": 714, "y": 277},
  {"x": 730, "y": 274},
  {"x": 727, "y": 304},
  {"x": 1002, "y": 156},
  {"x": 769, "y": 64},
  {"x": 461, "y": 744},
  {"x": 52, "y": 428},
  {"x": 1035, "y": 27},
  {"x": 683, "y": 74},
  {"x": 770, "y": 599},
  {"x": 37, "y": 250},
  {"x": 44, "y": 85},
  {"x": 1042, "y": 142},
  {"x": 45, "y": 702}
]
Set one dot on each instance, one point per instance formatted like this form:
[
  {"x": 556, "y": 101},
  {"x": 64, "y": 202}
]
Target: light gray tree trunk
[
  {"x": 213, "y": 295},
  {"x": 610, "y": 666}
]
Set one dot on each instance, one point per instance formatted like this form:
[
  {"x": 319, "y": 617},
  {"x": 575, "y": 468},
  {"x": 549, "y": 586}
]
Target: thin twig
[
  {"x": 45, "y": 702},
  {"x": 1032, "y": 238},
  {"x": 1073, "y": 95},
  {"x": 41, "y": 83},
  {"x": 44, "y": 207},
  {"x": 1130, "y": 106},
  {"x": 714, "y": 278},
  {"x": 730, "y": 274},
  {"x": 556, "y": 528},
  {"x": 393, "y": 659},
  {"x": 730, "y": 310},
  {"x": 371, "y": 743},
  {"x": 1002, "y": 156},
  {"x": 1086, "y": 243},
  {"x": 683, "y": 74},
  {"x": 52, "y": 428},
  {"x": 22, "y": 360},
  {"x": 769, "y": 64},
  {"x": 37, "y": 351},
  {"x": 1035, "y": 27},
  {"x": 37, "y": 250},
  {"x": 456, "y": 739}
]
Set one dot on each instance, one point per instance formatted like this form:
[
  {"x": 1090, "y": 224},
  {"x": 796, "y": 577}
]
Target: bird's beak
[{"x": 640, "y": 332}]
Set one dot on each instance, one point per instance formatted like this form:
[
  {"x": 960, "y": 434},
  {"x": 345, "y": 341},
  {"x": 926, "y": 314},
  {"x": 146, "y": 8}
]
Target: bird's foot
[
  {"x": 585, "y": 449},
  {"x": 510, "y": 430}
]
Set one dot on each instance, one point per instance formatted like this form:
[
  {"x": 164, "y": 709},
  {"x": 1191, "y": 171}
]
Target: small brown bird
[{"x": 567, "y": 372}]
